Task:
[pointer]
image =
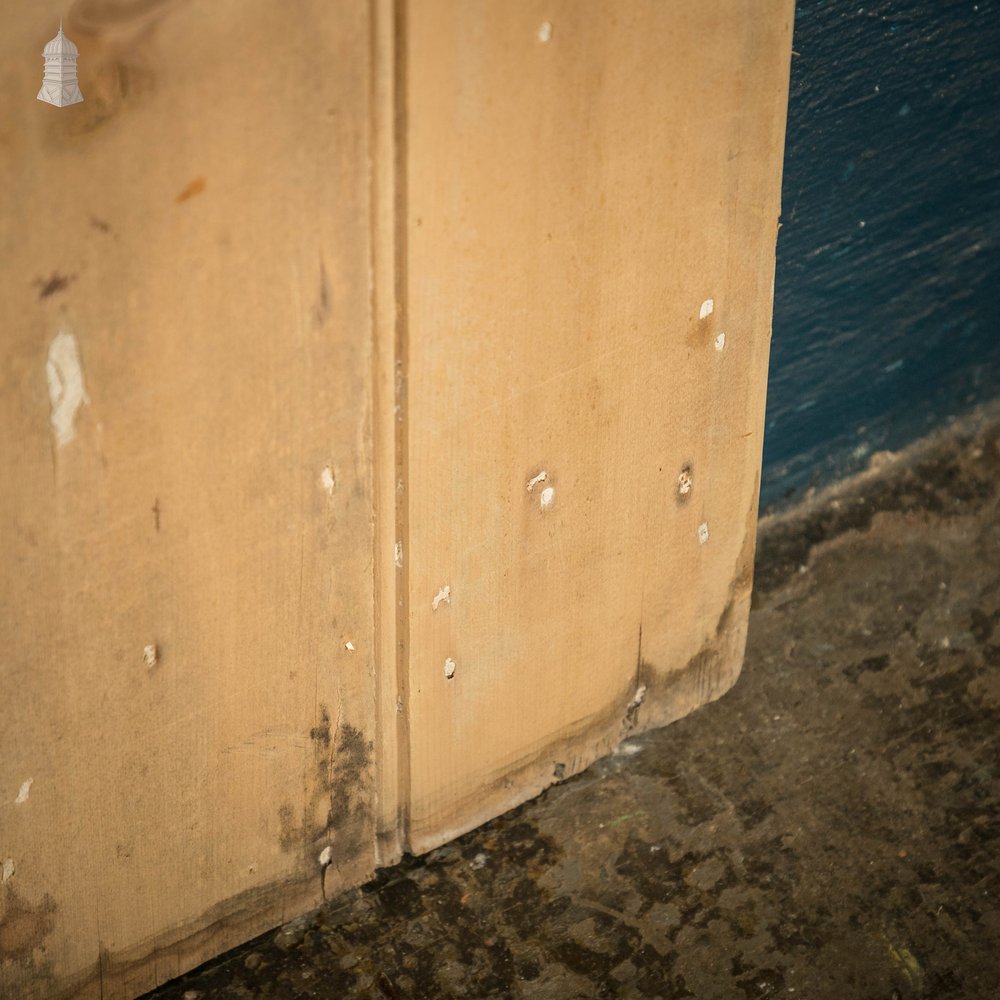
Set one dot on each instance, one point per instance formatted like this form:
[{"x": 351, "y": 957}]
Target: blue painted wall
[{"x": 887, "y": 293}]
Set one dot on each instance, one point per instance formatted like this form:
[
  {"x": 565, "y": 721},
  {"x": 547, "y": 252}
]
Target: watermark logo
[{"x": 60, "y": 86}]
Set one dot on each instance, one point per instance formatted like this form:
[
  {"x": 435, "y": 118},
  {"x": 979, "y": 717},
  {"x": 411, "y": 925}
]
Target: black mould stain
[
  {"x": 338, "y": 811},
  {"x": 348, "y": 801},
  {"x": 320, "y": 735},
  {"x": 55, "y": 283},
  {"x": 24, "y": 928}
]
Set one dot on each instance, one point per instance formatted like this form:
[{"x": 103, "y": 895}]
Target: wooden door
[{"x": 381, "y": 411}]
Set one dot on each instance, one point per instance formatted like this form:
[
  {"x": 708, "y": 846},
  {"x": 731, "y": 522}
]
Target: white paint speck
[
  {"x": 66, "y": 391},
  {"x": 548, "y": 498},
  {"x": 443, "y": 596},
  {"x": 628, "y": 749},
  {"x": 22, "y": 795},
  {"x": 684, "y": 482},
  {"x": 327, "y": 481},
  {"x": 449, "y": 668},
  {"x": 639, "y": 697},
  {"x": 479, "y": 861},
  {"x": 150, "y": 655},
  {"x": 325, "y": 855},
  {"x": 720, "y": 341},
  {"x": 545, "y": 32},
  {"x": 349, "y": 646},
  {"x": 702, "y": 533},
  {"x": 8, "y": 869},
  {"x": 707, "y": 308},
  {"x": 397, "y": 555},
  {"x": 535, "y": 480}
]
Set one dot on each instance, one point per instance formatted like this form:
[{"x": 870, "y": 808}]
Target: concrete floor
[{"x": 830, "y": 829}]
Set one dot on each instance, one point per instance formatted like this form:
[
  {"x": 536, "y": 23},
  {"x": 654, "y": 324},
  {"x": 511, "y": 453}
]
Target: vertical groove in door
[{"x": 388, "y": 209}]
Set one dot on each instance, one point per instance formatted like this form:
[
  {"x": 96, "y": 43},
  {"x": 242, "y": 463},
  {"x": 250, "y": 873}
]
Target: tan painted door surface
[
  {"x": 591, "y": 211},
  {"x": 381, "y": 401}
]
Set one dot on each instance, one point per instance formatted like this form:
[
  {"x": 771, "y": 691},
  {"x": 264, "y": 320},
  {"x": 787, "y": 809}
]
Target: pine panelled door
[{"x": 381, "y": 409}]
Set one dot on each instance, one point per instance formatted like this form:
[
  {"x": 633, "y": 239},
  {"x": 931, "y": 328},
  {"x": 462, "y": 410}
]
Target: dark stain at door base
[{"x": 338, "y": 811}]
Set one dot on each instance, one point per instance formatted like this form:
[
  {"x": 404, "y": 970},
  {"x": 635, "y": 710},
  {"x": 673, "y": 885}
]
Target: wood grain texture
[
  {"x": 295, "y": 309},
  {"x": 580, "y": 179},
  {"x": 200, "y": 227}
]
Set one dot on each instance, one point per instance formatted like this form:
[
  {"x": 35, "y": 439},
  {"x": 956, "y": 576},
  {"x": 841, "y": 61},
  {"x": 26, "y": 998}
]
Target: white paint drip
[
  {"x": 150, "y": 655},
  {"x": 449, "y": 668},
  {"x": 8, "y": 869},
  {"x": 540, "y": 478},
  {"x": 349, "y": 646},
  {"x": 707, "y": 308},
  {"x": 325, "y": 855},
  {"x": 397, "y": 554},
  {"x": 548, "y": 498},
  {"x": 702, "y": 533},
  {"x": 720, "y": 341},
  {"x": 66, "y": 391},
  {"x": 545, "y": 32},
  {"x": 22, "y": 795},
  {"x": 327, "y": 481},
  {"x": 443, "y": 596},
  {"x": 639, "y": 697}
]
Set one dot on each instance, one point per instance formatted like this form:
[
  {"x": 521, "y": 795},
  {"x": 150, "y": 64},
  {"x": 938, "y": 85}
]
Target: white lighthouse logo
[{"x": 60, "y": 87}]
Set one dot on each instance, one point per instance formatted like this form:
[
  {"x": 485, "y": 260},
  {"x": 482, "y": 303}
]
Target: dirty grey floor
[{"x": 828, "y": 830}]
